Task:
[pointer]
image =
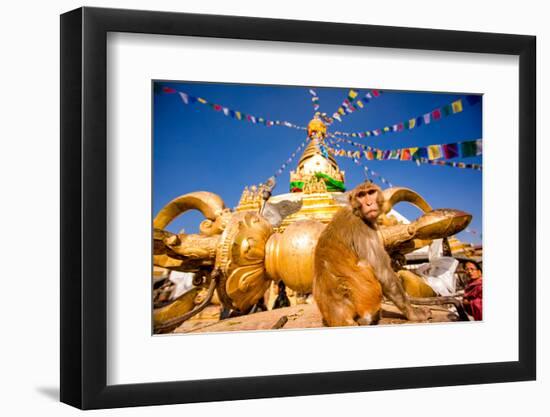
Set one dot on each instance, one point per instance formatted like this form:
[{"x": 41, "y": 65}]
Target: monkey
[{"x": 352, "y": 269}]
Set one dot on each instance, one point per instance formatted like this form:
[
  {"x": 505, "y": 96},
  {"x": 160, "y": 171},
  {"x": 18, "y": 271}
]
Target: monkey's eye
[
  {"x": 361, "y": 194},
  {"x": 371, "y": 192}
]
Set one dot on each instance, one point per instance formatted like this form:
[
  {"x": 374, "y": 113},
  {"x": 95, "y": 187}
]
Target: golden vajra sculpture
[{"x": 238, "y": 253}]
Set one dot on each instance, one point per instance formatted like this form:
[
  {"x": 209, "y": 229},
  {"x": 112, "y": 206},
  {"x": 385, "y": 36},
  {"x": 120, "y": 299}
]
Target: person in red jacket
[{"x": 473, "y": 293}]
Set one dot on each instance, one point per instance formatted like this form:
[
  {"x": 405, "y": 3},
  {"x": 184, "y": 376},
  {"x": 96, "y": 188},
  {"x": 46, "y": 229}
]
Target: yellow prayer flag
[
  {"x": 359, "y": 103},
  {"x": 352, "y": 94},
  {"x": 201, "y": 100},
  {"x": 434, "y": 152},
  {"x": 387, "y": 129},
  {"x": 457, "y": 106},
  {"x": 341, "y": 111},
  {"x": 238, "y": 115},
  {"x": 412, "y": 123}
]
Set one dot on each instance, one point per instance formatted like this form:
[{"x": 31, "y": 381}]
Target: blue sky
[{"x": 196, "y": 148}]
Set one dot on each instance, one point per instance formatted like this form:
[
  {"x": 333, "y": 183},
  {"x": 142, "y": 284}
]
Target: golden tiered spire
[{"x": 315, "y": 163}]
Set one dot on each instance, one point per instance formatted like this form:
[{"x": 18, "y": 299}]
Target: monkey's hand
[{"x": 419, "y": 314}]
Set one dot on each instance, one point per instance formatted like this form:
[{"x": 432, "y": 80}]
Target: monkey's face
[{"x": 368, "y": 203}]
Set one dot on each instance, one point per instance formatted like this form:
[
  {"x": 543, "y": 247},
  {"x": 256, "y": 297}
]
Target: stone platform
[{"x": 301, "y": 316}]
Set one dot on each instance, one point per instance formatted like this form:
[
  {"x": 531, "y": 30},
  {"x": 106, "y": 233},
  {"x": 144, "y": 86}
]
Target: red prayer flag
[
  {"x": 436, "y": 114},
  {"x": 375, "y": 93},
  {"x": 217, "y": 107},
  {"x": 168, "y": 90}
]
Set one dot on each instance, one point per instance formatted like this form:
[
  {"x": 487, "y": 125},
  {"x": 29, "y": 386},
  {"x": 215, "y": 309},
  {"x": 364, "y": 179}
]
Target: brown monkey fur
[{"x": 352, "y": 268}]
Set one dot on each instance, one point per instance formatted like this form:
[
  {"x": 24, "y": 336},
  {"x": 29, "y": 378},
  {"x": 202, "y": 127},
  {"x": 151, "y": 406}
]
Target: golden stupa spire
[{"x": 316, "y": 164}]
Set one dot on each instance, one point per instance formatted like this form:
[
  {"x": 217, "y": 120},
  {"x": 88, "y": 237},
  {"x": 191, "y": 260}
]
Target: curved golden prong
[
  {"x": 395, "y": 195},
  {"x": 209, "y": 204}
]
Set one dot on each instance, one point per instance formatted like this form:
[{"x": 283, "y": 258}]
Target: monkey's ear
[{"x": 351, "y": 196}]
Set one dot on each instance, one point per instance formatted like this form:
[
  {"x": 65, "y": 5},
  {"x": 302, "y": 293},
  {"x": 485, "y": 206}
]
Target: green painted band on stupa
[
  {"x": 296, "y": 184},
  {"x": 331, "y": 183}
]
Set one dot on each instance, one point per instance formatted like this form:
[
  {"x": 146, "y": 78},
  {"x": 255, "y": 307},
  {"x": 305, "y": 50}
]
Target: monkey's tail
[{"x": 442, "y": 301}]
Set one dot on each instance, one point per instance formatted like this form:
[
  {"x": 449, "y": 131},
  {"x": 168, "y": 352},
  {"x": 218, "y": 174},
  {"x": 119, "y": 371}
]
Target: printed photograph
[{"x": 298, "y": 207}]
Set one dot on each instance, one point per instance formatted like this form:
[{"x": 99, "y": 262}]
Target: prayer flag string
[
  {"x": 474, "y": 232},
  {"x": 289, "y": 160},
  {"x": 314, "y": 99},
  {"x": 234, "y": 114},
  {"x": 424, "y": 154},
  {"x": 369, "y": 173},
  {"x": 352, "y": 104},
  {"x": 430, "y": 117}
]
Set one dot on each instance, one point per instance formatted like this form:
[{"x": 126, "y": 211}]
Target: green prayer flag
[{"x": 468, "y": 149}]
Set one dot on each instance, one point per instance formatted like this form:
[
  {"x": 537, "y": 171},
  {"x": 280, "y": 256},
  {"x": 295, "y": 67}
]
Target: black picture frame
[{"x": 84, "y": 207}]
